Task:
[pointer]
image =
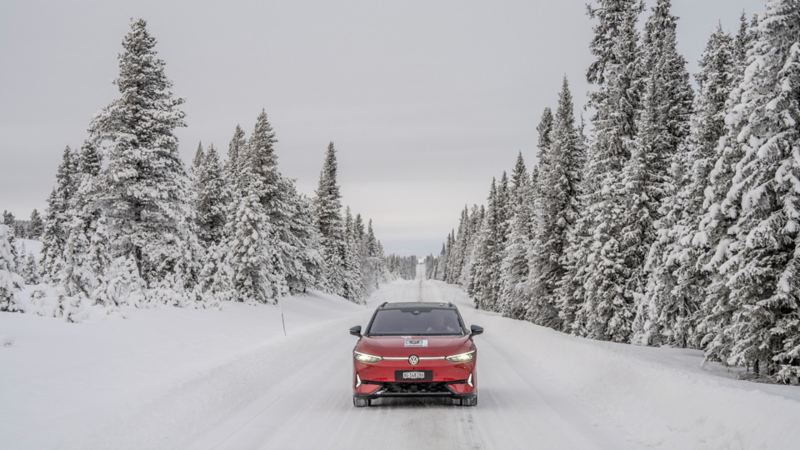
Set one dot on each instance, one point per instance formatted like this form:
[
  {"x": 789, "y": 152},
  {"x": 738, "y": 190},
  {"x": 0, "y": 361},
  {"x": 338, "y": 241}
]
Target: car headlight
[
  {"x": 462, "y": 357},
  {"x": 366, "y": 358}
]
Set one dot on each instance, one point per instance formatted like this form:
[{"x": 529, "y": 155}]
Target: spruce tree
[
  {"x": 327, "y": 212},
  {"x": 10, "y": 282},
  {"x": 714, "y": 241},
  {"x": 742, "y": 43},
  {"x": 675, "y": 286},
  {"x": 598, "y": 277},
  {"x": 251, "y": 258},
  {"x": 199, "y": 157},
  {"x": 514, "y": 266},
  {"x": 30, "y": 270},
  {"x": 145, "y": 196},
  {"x": 483, "y": 286},
  {"x": 263, "y": 162},
  {"x": 236, "y": 151},
  {"x": 353, "y": 286},
  {"x": 373, "y": 246},
  {"x": 460, "y": 248},
  {"x": 544, "y": 128},
  {"x": 86, "y": 252},
  {"x": 300, "y": 242},
  {"x": 556, "y": 210},
  {"x": 55, "y": 233},
  {"x": 211, "y": 199},
  {"x": 36, "y": 226},
  {"x": 764, "y": 259}
]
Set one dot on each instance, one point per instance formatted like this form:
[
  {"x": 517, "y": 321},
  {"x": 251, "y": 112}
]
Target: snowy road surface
[{"x": 230, "y": 380}]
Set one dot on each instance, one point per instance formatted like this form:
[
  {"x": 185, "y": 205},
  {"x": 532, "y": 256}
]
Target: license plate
[{"x": 413, "y": 375}]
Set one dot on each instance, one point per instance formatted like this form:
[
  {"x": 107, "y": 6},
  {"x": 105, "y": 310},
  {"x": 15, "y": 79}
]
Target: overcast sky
[{"x": 425, "y": 100}]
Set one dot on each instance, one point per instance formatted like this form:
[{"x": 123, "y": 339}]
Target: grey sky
[{"x": 425, "y": 100}]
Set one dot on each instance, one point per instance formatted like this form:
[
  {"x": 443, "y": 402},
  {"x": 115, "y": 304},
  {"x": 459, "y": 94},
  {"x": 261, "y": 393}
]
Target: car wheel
[
  {"x": 469, "y": 401},
  {"x": 361, "y": 402}
]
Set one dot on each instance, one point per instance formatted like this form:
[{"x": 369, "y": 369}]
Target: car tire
[
  {"x": 361, "y": 402},
  {"x": 472, "y": 400}
]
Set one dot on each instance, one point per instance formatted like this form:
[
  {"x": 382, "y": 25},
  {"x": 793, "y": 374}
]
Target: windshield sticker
[{"x": 416, "y": 342}]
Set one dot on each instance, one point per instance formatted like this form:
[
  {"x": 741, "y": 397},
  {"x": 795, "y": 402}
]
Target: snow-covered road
[{"x": 538, "y": 389}]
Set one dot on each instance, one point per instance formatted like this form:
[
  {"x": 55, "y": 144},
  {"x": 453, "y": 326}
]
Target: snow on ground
[{"x": 180, "y": 378}]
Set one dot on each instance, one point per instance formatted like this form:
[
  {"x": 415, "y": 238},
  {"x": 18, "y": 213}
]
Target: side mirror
[
  {"x": 356, "y": 331},
  {"x": 475, "y": 330}
]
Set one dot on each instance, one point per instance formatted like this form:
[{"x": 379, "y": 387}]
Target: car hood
[{"x": 388, "y": 346}]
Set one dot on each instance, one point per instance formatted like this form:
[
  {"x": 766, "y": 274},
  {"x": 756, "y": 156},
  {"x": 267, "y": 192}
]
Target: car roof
[{"x": 413, "y": 305}]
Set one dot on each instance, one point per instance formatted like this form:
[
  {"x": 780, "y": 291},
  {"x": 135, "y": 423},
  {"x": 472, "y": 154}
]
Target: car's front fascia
[{"x": 378, "y": 362}]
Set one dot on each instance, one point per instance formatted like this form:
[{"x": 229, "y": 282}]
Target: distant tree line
[
  {"x": 403, "y": 267},
  {"x": 25, "y": 229}
]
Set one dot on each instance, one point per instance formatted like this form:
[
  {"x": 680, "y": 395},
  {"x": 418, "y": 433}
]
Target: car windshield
[{"x": 416, "y": 321}]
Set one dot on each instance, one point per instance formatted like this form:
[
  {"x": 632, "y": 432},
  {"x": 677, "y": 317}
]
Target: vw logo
[{"x": 413, "y": 360}]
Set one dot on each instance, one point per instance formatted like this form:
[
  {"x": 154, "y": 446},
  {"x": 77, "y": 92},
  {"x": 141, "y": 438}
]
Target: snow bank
[{"x": 64, "y": 378}]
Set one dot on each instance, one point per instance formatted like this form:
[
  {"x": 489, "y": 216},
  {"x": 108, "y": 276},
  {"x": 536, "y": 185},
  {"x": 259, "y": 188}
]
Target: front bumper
[
  {"x": 454, "y": 389},
  {"x": 456, "y": 380}
]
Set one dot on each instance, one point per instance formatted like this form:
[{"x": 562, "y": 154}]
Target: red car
[{"x": 415, "y": 349}]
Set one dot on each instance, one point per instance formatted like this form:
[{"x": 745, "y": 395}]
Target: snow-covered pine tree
[
  {"x": 86, "y": 252},
  {"x": 441, "y": 263},
  {"x": 373, "y": 246},
  {"x": 483, "y": 287},
  {"x": 236, "y": 150},
  {"x": 300, "y": 241},
  {"x": 10, "y": 282},
  {"x": 600, "y": 275},
  {"x": 199, "y": 157},
  {"x": 743, "y": 42},
  {"x": 513, "y": 295},
  {"x": 327, "y": 212},
  {"x": 675, "y": 286},
  {"x": 470, "y": 254},
  {"x": 297, "y": 244},
  {"x": 146, "y": 188},
  {"x": 458, "y": 253},
  {"x": 503, "y": 216},
  {"x": 662, "y": 129},
  {"x": 8, "y": 219},
  {"x": 353, "y": 278},
  {"x": 360, "y": 234},
  {"x": 30, "y": 270},
  {"x": 36, "y": 226},
  {"x": 556, "y": 210},
  {"x": 263, "y": 162},
  {"x": 211, "y": 198},
  {"x": 55, "y": 233},
  {"x": 666, "y": 103},
  {"x": 373, "y": 265},
  {"x": 544, "y": 128},
  {"x": 251, "y": 256},
  {"x": 764, "y": 260},
  {"x": 713, "y": 239}
]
